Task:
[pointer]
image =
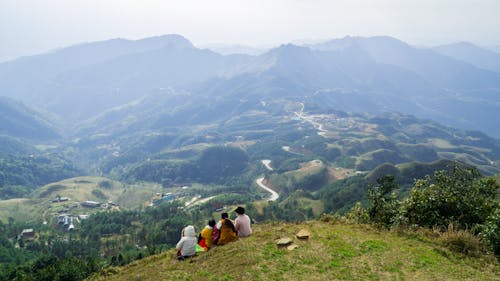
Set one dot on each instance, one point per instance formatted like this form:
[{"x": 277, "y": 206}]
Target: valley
[{"x": 109, "y": 154}]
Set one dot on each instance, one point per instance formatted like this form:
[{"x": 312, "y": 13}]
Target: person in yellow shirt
[{"x": 206, "y": 235}]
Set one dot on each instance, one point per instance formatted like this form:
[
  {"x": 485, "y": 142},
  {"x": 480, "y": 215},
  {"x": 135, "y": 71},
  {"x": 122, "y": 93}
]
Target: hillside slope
[
  {"x": 333, "y": 252},
  {"x": 20, "y": 121},
  {"x": 39, "y": 206}
]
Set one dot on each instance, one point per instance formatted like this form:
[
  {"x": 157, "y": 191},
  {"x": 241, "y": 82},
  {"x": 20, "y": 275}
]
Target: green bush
[
  {"x": 384, "y": 206},
  {"x": 491, "y": 231},
  {"x": 459, "y": 196},
  {"x": 357, "y": 214}
]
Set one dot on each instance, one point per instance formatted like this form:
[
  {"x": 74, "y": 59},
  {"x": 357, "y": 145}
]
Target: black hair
[
  {"x": 211, "y": 222},
  {"x": 229, "y": 224},
  {"x": 240, "y": 210},
  {"x": 227, "y": 221}
]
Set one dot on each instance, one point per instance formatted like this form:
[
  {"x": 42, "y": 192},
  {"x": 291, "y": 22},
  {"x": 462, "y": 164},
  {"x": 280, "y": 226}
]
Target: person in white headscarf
[{"x": 187, "y": 245}]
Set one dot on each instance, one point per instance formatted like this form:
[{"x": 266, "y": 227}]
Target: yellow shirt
[
  {"x": 207, "y": 234},
  {"x": 226, "y": 234}
]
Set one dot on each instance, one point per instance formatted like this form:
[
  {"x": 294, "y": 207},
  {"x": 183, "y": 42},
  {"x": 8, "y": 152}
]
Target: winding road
[
  {"x": 274, "y": 194},
  {"x": 267, "y": 164}
]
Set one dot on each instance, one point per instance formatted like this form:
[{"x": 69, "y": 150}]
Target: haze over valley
[{"x": 109, "y": 148}]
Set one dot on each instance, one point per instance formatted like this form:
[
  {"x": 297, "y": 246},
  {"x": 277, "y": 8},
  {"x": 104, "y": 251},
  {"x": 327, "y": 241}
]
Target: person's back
[
  {"x": 206, "y": 233},
  {"x": 227, "y": 230},
  {"x": 242, "y": 223},
  {"x": 187, "y": 244}
]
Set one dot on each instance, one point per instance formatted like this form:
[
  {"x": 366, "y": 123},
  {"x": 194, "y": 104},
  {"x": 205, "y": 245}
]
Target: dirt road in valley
[{"x": 274, "y": 194}]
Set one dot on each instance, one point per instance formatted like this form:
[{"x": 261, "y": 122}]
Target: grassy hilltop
[
  {"x": 335, "y": 251},
  {"x": 38, "y": 205}
]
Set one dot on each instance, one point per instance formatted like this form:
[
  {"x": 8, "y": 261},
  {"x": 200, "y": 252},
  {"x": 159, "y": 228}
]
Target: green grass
[
  {"x": 39, "y": 207},
  {"x": 334, "y": 252},
  {"x": 19, "y": 209}
]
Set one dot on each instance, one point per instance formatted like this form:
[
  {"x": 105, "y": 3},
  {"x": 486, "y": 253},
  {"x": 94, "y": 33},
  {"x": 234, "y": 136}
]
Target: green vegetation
[
  {"x": 214, "y": 165},
  {"x": 39, "y": 207},
  {"x": 341, "y": 195},
  {"x": 384, "y": 206},
  {"x": 311, "y": 176},
  {"x": 22, "y": 174},
  {"x": 459, "y": 198},
  {"x": 335, "y": 251},
  {"x": 117, "y": 238}
]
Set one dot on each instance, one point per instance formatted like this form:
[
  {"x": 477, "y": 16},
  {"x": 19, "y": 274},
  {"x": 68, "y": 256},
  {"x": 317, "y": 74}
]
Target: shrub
[
  {"x": 462, "y": 241},
  {"x": 357, "y": 214},
  {"x": 105, "y": 184},
  {"x": 384, "y": 206},
  {"x": 459, "y": 196},
  {"x": 491, "y": 231},
  {"x": 99, "y": 194},
  {"x": 331, "y": 218}
]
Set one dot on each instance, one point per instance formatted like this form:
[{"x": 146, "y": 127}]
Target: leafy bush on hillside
[
  {"x": 384, "y": 205},
  {"x": 460, "y": 197},
  {"x": 491, "y": 231}
]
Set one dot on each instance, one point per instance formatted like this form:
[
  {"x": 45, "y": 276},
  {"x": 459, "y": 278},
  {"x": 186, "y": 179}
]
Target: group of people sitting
[{"x": 220, "y": 233}]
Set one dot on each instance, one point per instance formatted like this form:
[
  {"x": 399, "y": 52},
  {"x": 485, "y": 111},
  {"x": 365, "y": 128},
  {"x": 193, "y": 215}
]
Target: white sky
[{"x": 34, "y": 26}]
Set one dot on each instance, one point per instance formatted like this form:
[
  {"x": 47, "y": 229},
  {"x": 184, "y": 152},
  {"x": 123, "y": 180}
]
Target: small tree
[
  {"x": 491, "y": 231},
  {"x": 384, "y": 206}
]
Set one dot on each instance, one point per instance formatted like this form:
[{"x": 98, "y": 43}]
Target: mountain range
[
  {"x": 457, "y": 85},
  {"x": 172, "y": 134},
  {"x": 138, "y": 99}
]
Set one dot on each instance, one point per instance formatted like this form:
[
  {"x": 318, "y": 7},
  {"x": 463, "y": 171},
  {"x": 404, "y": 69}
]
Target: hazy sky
[{"x": 34, "y": 26}]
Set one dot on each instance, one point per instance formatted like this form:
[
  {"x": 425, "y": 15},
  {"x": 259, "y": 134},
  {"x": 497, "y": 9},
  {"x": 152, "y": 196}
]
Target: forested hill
[{"x": 17, "y": 120}]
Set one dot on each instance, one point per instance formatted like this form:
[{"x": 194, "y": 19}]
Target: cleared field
[{"x": 40, "y": 206}]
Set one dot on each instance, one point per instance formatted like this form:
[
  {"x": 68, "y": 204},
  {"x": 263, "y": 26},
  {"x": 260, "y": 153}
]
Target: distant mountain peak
[
  {"x": 471, "y": 53},
  {"x": 290, "y": 51},
  {"x": 350, "y": 41},
  {"x": 169, "y": 40}
]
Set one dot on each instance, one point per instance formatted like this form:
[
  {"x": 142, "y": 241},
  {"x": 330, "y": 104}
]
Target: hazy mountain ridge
[
  {"x": 380, "y": 73},
  {"x": 20, "y": 121},
  {"x": 172, "y": 96},
  {"x": 472, "y": 54},
  {"x": 440, "y": 70},
  {"x": 83, "y": 80}
]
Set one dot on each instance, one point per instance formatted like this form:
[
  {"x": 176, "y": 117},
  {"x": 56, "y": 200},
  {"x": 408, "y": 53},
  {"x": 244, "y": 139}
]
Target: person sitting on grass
[
  {"x": 227, "y": 232},
  {"x": 242, "y": 223},
  {"x": 206, "y": 235},
  {"x": 187, "y": 245}
]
